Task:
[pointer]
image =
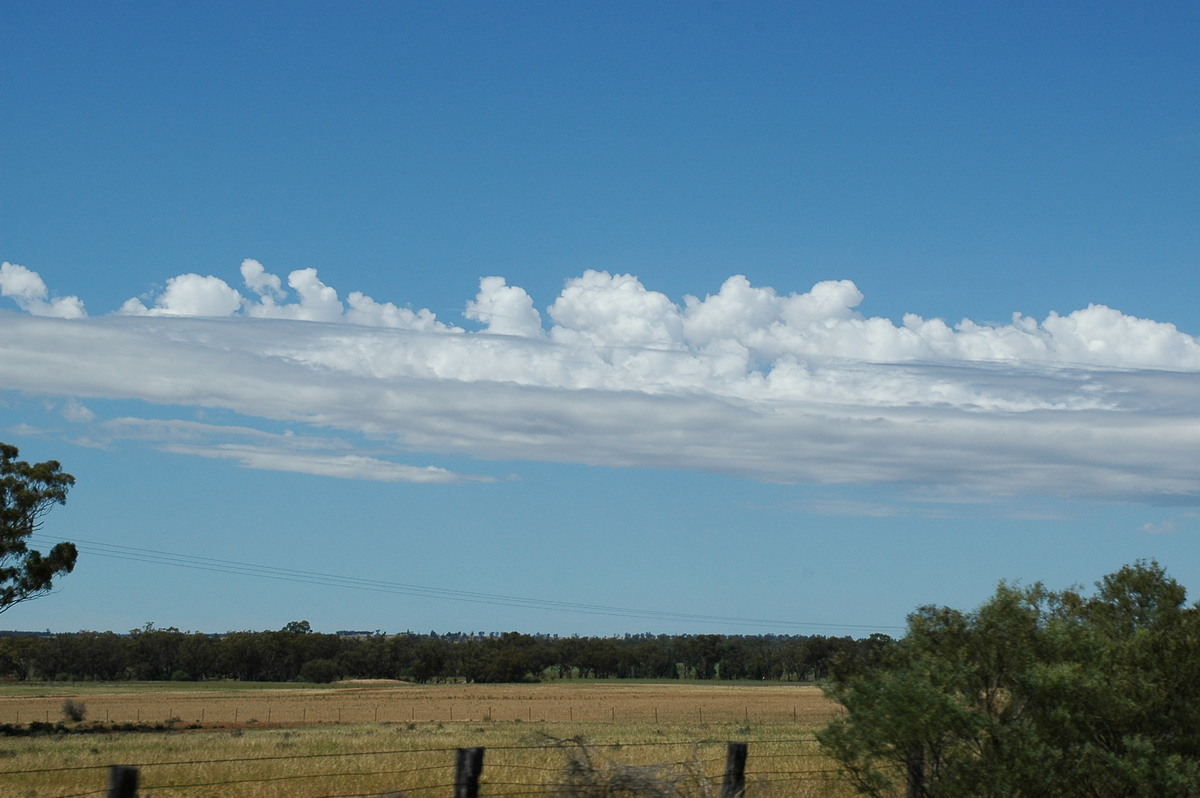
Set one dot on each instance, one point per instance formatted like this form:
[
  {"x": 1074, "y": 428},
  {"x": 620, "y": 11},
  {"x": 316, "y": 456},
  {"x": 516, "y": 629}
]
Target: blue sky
[{"x": 599, "y": 318}]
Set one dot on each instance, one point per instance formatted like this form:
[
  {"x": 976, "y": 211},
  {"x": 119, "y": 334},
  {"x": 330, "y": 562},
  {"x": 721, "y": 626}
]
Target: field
[{"x": 391, "y": 738}]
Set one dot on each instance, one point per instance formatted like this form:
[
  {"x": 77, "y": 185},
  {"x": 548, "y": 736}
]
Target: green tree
[
  {"x": 27, "y": 492},
  {"x": 1033, "y": 694},
  {"x": 19, "y": 655},
  {"x": 155, "y": 651},
  {"x": 429, "y": 660}
]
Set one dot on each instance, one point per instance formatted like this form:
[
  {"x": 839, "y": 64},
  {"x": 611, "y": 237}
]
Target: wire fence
[
  {"x": 204, "y": 711},
  {"x": 788, "y": 766}
]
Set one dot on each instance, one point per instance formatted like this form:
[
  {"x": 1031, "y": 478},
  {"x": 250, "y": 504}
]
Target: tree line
[{"x": 296, "y": 653}]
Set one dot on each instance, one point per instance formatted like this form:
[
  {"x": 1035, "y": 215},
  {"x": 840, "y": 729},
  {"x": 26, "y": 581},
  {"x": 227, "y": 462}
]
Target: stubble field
[{"x": 398, "y": 739}]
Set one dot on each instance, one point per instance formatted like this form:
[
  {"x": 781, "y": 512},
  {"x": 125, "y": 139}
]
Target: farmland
[{"x": 370, "y": 738}]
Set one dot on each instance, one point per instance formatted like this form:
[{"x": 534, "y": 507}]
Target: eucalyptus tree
[{"x": 27, "y": 492}]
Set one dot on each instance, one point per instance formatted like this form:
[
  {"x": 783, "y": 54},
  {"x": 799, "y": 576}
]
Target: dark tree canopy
[
  {"x": 27, "y": 492},
  {"x": 158, "y": 654}
]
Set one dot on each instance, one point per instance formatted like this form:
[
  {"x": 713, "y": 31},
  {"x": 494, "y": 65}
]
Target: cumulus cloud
[
  {"x": 604, "y": 310},
  {"x": 741, "y": 328},
  {"x": 189, "y": 295},
  {"x": 28, "y": 290},
  {"x": 209, "y": 296},
  {"x": 369, "y": 313},
  {"x": 798, "y": 387},
  {"x": 258, "y": 280},
  {"x": 505, "y": 309}
]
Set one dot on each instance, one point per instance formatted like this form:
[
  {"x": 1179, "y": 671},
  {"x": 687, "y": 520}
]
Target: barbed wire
[
  {"x": 694, "y": 768},
  {"x": 546, "y": 746}
]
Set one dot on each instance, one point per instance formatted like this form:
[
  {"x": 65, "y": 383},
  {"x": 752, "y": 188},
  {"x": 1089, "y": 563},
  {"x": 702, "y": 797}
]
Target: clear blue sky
[{"x": 599, "y": 317}]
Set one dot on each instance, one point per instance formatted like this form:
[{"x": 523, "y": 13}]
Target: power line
[{"x": 259, "y": 571}]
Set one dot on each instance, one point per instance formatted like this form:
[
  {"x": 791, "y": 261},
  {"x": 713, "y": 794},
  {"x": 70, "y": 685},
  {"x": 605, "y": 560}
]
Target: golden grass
[{"x": 306, "y": 752}]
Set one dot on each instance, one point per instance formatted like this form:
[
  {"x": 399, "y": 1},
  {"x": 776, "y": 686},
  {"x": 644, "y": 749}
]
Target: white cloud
[
  {"x": 252, "y": 448},
  {"x": 193, "y": 295},
  {"x": 347, "y": 466},
  {"x": 318, "y": 302},
  {"x": 505, "y": 309},
  {"x": 28, "y": 290},
  {"x": 258, "y": 280},
  {"x": 1168, "y": 526},
  {"x": 793, "y": 388},
  {"x": 369, "y": 313},
  {"x": 605, "y": 310},
  {"x": 190, "y": 295},
  {"x": 75, "y": 411}
]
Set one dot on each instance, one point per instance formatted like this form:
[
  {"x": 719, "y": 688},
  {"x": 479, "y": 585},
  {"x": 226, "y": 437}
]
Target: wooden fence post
[
  {"x": 468, "y": 766},
  {"x": 734, "y": 785},
  {"x": 122, "y": 782}
]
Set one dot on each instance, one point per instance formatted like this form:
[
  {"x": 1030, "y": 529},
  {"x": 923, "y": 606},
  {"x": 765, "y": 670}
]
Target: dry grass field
[
  {"x": 226, "y": 704},
  {"x": 390, "y": 738}
]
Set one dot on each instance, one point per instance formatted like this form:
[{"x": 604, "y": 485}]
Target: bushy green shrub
[
  {"x": 74, "y": 710},
  {"x": 1035, "y": 693}
]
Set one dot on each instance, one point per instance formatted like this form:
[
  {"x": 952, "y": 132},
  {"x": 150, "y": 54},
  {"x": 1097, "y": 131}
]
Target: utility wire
[{"x": 159, "y": 557}]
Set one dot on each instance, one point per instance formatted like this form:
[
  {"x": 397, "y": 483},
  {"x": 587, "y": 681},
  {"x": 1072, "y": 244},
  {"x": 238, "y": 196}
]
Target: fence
[
  {"x": 209, "y": 711},
  {"x": 511, "y": 773}
]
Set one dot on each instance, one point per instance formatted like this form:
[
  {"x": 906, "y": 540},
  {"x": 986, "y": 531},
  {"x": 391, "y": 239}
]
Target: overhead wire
[{"x": 260, "y": 571}]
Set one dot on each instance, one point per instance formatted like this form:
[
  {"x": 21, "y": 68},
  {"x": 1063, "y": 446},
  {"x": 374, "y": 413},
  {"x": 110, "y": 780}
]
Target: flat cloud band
[{"x": 795, "y": 388}]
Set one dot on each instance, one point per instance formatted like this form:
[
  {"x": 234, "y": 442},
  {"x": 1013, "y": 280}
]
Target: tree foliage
[
  {"x": 27, "y": 492},
  {"x": 1035, "y": 693}
]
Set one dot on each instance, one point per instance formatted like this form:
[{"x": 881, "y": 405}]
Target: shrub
[
  {"x": 588, "y": 775},
  {"x": 74, "y": 710}
]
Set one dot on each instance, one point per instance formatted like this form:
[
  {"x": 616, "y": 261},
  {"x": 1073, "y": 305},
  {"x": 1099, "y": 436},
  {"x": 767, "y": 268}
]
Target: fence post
[
  {"x": 122, "y": 781},
  {"x": 468, "y": 765},
  {"x": 734, "y": 785}
]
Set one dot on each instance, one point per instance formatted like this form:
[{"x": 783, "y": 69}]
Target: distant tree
[
  {"x": 155, "y": 651},
  {"x": 19, "y": 656},
  {"x": 196, "y": 658},
  {"x": 429, "y": 660},
  {"x": 599, "y": 658},
  {"x": 27, "y": 492},
  {"x": 1033, "y": 694},
  {"x": 239, "y": 656}
]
